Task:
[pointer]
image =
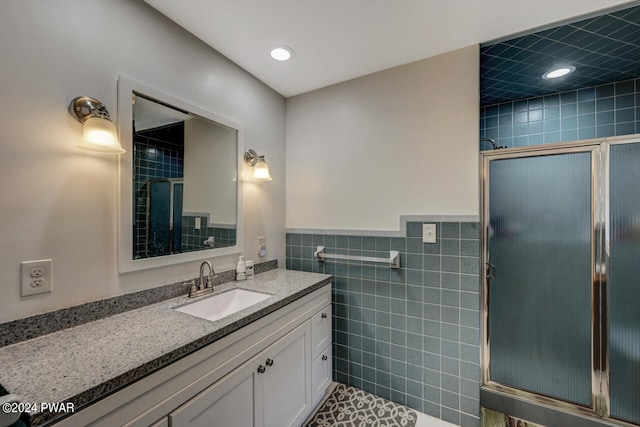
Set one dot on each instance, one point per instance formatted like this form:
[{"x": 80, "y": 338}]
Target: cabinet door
[
  {"x": 229, "y": 402},
  {"x": 320, "y": 331},
  {"x": 287, "y": 380},
  {"x": 320, "y": 375}
]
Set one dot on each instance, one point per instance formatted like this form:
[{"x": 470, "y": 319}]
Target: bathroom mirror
[{"x": 179, "y": 196}]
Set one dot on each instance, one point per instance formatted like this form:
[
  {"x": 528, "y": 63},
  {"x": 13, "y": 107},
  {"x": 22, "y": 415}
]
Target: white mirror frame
[{"x": 126, "y": 263}]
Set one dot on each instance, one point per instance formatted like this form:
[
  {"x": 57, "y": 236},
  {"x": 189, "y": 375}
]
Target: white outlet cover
[
  {"x": 30, "y": 285},
  {"x": 429, "y": 233}
]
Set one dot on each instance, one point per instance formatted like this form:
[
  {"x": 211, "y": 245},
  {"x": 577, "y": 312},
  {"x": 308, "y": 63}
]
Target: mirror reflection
[{"x": 184, "y": 181}]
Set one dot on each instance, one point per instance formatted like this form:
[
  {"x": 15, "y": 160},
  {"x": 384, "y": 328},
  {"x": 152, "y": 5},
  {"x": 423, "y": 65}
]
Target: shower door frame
[{"x": 526, "y": 404}]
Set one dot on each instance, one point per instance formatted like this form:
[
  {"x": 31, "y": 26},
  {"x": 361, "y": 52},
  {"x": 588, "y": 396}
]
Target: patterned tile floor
[{"x": 423, "y": 420}]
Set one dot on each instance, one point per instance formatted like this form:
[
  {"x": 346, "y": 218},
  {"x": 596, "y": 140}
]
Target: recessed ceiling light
[
  {"x": 281, "y": 53},
  {"x": 559, "y": 72}
]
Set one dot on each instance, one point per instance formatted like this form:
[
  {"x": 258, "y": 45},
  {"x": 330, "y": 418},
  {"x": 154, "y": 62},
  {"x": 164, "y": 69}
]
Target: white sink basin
[{"x": 224, "y": 304}]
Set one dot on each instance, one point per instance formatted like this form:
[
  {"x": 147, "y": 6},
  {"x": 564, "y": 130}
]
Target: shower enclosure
[{"x": 561, "y": 293}]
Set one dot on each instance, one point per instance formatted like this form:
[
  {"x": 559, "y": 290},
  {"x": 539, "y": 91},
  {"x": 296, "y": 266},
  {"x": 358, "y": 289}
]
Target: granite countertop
[{"x": 85, "y": 363}]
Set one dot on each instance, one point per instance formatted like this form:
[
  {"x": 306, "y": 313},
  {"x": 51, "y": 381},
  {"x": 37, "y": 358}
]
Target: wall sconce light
[
  {"x": 259, "y": 165},
  {"x": 99, "y": 132}
]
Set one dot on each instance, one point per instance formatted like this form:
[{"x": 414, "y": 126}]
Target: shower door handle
[{"x": 491, "y": 271}]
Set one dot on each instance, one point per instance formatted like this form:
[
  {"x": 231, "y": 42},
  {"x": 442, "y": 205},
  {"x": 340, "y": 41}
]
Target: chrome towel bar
[{"x": 393, "y": 260}]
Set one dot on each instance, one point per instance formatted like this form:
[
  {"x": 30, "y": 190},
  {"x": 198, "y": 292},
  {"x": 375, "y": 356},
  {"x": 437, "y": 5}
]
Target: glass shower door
[
  {"x": 539, "y": 237},
  {"x": 623, "y": 278}
]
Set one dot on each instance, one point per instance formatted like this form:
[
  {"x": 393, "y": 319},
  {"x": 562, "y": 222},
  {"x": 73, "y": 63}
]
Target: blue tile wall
[
  {"x": 157, "y": 154},
  {"x": 594, "y": 112},
  {"x": 193, "y": 240},
  {"x": 410, "y": 335}
]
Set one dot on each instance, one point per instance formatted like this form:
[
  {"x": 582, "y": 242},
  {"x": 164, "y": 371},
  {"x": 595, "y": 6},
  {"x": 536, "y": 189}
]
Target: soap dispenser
[{"x": 241, "y": 269}]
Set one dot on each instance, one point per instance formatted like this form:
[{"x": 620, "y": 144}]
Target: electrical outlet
[
  {"x": 36, "y": 277},
  {"x": 37, "y": 272},
  {"x": 262, "y": 246}
]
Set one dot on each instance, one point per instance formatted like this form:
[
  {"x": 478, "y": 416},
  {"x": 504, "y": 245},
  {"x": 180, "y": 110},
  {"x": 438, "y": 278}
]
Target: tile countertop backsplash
[{"x": 83, "y": 363}]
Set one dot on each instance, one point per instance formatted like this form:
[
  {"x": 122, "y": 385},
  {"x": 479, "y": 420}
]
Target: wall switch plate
[
  {"x": 428, "y": 233},
  {"x": 198, "y": 223},
  {"x": 36, "y": 277},
  {"x": 262, "y": 246}
]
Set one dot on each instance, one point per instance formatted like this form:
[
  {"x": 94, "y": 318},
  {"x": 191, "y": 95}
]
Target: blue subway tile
[
  {"x": 469, "y": 230},
  {"x": 520, "y": 106},
  {"x": 624, "y": 101},
  {"x": 604, "y": 91},
  {"x": 569, "y": 97},
  {"x": 505, "y": 132},
  {"x": 569, "y": 135},
  {"x": 414, "y": 277},
  {"x": 450, "y": 415},
  {"x": 450, "y": 387},
  {"x": 450, "y": 247},
  {"x": 520, "y": 129},
  {"x": 551, "y": 100},
  {"x": 605, "y": 104},
  {"x": 470, "y": 318},
  {"x": 586, "y": 107},
  {"x": 450, "y": 264},
  {"x": 470, "y": 336},
  {"x": 414, "y": 261},
  {"x": 534, "y": 104},
  {"x": 625, "y": 115},
  {"x": 450, "y": 230},
  {"x": 521, "y": 117},
  {"x": 450, "y": 315},
  {"x": 414, "y": 245},
  {"x": 586, "y": 94},
  {"x": 470, "y": 388},
  {"x": 604, "y": 131},
  {"x": 551, "y": 113},
  {"x": 342, "y": 242},
  {"x": 624, "y": 87},
  {"x": 414, "y": 229},
  {"x": 551, "y": 125},
  {"x": 569, "y": 110},
  {"x": 586, "y": 120},
  {"x": 505, "y": 108},
  {"x": 369, "y": 243},
  {"x": 307, "y": 240},
  {"x": 625, "y": 128},
  {"x": 296, "y": 239},
  {"x": 520, "y": 141}
]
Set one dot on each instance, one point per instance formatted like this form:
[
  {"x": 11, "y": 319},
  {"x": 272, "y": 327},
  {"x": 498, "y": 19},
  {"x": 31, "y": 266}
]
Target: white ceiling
[{"x": 337, "y": 40}]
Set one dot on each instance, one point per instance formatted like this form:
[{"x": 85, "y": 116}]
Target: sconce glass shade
[
  {"x": 99, "y": 132},
  {"x": 259, "y": 165},
  {"x": 261, "y": 171},
  {"x": 100, "y": 135}
]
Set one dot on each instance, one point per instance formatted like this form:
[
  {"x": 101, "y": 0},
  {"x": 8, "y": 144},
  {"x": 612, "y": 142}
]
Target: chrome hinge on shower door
[{"x": 491, "y": 270}]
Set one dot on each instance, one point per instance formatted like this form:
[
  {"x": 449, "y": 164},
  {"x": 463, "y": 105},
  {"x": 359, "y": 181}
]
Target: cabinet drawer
[
  {"x": 320, "y": 331},
  {"x": 320, "y": 375}
]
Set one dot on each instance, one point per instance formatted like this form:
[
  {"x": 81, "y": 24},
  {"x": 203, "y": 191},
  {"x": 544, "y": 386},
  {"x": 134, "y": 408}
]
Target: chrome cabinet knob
[
  {"x": 324, "y": 357},
  {"x": 324, "y": 315},
  {"x": 269, "y": 362},
  {"x": 261, "y": 369}
]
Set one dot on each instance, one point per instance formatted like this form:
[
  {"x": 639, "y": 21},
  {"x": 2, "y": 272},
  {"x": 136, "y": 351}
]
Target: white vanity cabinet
[
  {"x": 321, "y": 329},
  {"x": 269, "y": 373},
  {"x": 270, "y": 390}
]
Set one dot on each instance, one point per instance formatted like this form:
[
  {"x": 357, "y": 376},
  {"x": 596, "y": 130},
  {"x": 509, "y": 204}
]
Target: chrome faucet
[{"x": 203, "y": 285}]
